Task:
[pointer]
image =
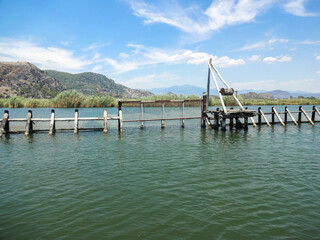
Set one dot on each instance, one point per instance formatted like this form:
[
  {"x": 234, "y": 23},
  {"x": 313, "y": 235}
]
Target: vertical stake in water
[
  {"x": 105, "y": 121},
  {"x": 52, "y": 123},
  {"x": 223, "y": 124},
  {"x": 313, "y": 116},
  {"x": 204, "y": 109},
  {"x": 162, "y": 116},
  {"x": 182, "y": 121},
  {"x": 29, "y": 123},
  {"x": 120, "y": 123},
  {"x": 299, "y": 115},
  {"x": 141, "y": 115},
  {"x": 231, "y": 121},
  {"x": 286, "y": 115},
  {"x": 259, "y": 115},
  {"x": 5, "y": 123},
  {"x": 76, "y": 121}
]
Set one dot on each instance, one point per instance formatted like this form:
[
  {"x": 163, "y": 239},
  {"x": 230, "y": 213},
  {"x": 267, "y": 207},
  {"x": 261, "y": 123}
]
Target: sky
[{"x": 255, "y": 44}]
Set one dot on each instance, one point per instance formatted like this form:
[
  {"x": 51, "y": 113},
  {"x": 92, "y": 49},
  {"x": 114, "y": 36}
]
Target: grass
[{"x": 74, "y": 99}]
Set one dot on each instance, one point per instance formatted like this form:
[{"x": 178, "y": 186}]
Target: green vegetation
[
  {"x": 67, "y": 99},
  {"x": 74, "y": 99}
]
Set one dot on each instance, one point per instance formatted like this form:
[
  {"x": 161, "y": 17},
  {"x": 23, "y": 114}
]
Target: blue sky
[{"x": 255, "y": 44}]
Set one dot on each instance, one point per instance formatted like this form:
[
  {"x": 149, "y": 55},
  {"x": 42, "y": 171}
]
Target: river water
[{"x": 160, "y": 184}]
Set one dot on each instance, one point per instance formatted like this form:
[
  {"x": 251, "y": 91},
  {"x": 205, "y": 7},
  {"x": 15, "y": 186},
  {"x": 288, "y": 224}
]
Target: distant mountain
[
  {"x": 250, "y": 93},
  {"x": 26, "y": 80},
  {"x": 93, "y": 83}
]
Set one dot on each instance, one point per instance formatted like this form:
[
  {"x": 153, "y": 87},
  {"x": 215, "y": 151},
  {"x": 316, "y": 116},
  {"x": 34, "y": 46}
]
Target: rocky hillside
[
  {"x": 93, "y": 83},
  {"x": 26, "y": 80}
]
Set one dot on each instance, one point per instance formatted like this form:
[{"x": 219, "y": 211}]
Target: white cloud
[
  {"x": 318, "y": 58},
  {"x": 308, "y": 42},
  {"x": 263, "y": 44},
  {"x": 44, "y": 57},
  {"x": 95, "y": 46},
  {"x": 151, "y": 81},
  {"x": 297, "y": 7},
  {"x": 254, "y": 58},
  {"x": 270, "y": 85},
  {"x": 196, "y": 21},
  {"x": 270, "y": 60},
  {"x": 141, "y": 56}
]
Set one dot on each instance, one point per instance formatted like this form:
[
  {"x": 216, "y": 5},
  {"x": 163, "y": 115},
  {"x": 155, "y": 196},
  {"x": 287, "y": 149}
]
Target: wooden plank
[
  {"x": 5, "y": 123},
  {"x": 290, "y": 114},
  {"x": 105, "y": 121},
  {"x": 76, "y": 121},
  {"x": 264, "y": 117},
  {"x": 306, "y": 115},
  {"x": 278, "y": 116},
  {"x": 159, "y": 119},
  {"x": 52, "y": 129},
  {"x": 317, "y": 110},
  {"x": 29, "y": 124}
]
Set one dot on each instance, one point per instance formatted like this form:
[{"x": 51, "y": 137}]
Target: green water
[{"x": 162, "y": 184}]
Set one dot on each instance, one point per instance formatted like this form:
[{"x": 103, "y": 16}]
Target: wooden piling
[
  {"x": 259, "y": 115},
  {"x": 141, "y": 115},
  {"x": 162, "y": 116},
  {"x": 238, "y": 124},
  {"x": 223, "y": 124},
  {"x": 278, "y": 116},
  {"x": 120, "y": 120},
  {"x": 182, "y": 115},
  {"x": 76, "y": 121},
  {"x": 306, "y": 115},
  {"x": 29, "y": 127},
  {"x": 5, "y": 123},
  {"x": 272, "y": 116},
  {"x": 231, "y": 122},
  {"x": 52, "y": 123},
  {"x": 204, "y": 109},
  {"x": 313, "y": 116},
  {"x": 245, "y": 125},
  {"x": 286, "y": 115},
  {"x": 299, "y": 115},
  {"x": 105, "y": 121}
]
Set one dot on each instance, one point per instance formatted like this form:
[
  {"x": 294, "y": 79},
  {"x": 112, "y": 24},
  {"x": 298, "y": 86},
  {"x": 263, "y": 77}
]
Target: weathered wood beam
[
  {"x": 76, "y": 121},
  {"x": 278, "y": 116},
  {"x": 52, "y": 123},
  {"x": 105, "y": 121},
  {"x": 306, "y": 115},
  {"x": 29, "y": 124},
  {"x": 5, "y": 123}
]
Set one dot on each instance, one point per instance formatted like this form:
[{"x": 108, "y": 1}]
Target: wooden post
[
  {"x": 120, "y": 123},
  {"x": 238, "y": 123},
  {"x": 286, "y": 115},
  {"x": 278, "y": 116},
  {"x": 305, "y": 114},
  {"x": 292, "y": 117},
  {"x": 76, "y": 121},
  {"x": 245, "y": 125},
  {"x": 162, "y": 116},
  {"x": 272, "y": 116},
  {"x": 259, "y": 115},
  {"x": 313, "y": 116},
  {"x": 182, "y": 120},
  {"x": 141, "y": 115},
  {"x": 52, "y": 123},
  {"x": 204, "y": 109},
  {"x": 299, "y": 115},
  {"x": 5, "y": 123},
  {"x": 231, "y": 122},
  {"x": 264, "y": 117},
  {"x": 223, "y": 124},
  {"x": 105, "y": 121},
  {"x": 29, "y": 123}
]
